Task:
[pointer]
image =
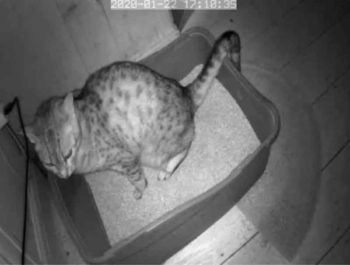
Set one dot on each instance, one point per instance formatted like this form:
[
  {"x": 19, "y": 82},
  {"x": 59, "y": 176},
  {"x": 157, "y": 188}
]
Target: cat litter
[{"x": 224, "y": 137}]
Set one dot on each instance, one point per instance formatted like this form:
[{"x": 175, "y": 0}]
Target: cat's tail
[{"x": 228, "y": 44}]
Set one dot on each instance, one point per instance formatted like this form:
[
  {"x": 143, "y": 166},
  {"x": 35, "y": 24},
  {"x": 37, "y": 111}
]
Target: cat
[{"x": 126, "y": 116}]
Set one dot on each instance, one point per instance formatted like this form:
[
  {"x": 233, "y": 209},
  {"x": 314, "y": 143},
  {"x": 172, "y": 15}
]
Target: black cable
[{"x": 7, "y": 110}]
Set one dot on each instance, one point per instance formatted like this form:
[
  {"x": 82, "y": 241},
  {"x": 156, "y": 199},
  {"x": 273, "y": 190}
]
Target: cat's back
[
  {"x": 128, "y": 86},
  {"x": 136, "y": 100},
  {"x": 120, "y": 77}
]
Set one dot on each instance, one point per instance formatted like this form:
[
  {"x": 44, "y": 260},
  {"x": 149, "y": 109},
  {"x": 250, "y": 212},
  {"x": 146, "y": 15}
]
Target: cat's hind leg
[
  {"x": 133, "y": 170},
  {"x": 183, "y": 144},
  {"x": 172, "y": 165}
]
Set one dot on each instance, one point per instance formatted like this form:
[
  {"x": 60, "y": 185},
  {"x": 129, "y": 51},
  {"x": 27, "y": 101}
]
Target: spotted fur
[{"x": 126, "y": 116}]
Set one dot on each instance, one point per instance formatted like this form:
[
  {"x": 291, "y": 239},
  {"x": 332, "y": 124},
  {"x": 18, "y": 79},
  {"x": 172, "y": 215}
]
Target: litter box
[{"x": 162, "y": 238}]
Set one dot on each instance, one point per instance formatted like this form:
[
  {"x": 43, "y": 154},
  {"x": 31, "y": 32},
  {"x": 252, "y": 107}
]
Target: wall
[{"x": 50, "y": 47}]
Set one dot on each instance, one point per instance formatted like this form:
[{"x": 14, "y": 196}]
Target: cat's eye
[
  {"x": 67, "y": 156},
  {"x": 49, "y": 164}
]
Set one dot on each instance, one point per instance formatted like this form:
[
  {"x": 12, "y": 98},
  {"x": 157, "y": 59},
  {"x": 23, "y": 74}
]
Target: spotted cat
[{"x": 126, "y": 116}]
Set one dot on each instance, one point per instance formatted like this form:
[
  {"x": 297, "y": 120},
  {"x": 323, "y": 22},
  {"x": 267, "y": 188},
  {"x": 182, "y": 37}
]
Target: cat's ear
[
  {"x": 68, "y": 103},
  {"x": 70, "y": 126},
  {"x": 30, "y": 133}
]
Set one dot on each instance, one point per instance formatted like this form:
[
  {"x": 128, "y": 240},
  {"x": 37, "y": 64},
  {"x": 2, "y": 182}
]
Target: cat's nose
[
  {"x": 64, "y": 173},
  {"x": 68, "y": 171}
]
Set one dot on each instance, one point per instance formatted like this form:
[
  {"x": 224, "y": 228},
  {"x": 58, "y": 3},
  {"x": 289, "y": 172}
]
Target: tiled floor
[{"x": 308, "y": 42}]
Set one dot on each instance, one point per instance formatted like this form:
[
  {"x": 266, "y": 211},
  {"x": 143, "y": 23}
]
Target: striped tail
[{"x": 228, "y": 44}]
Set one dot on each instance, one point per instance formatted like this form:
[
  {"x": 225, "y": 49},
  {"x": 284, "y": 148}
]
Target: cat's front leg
[
  {"x": 139, "y": 181},
  {"x": 134, "y": 172}
]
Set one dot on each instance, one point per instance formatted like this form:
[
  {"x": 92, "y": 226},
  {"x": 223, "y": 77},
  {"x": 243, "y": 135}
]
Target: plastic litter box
[{"x": 165, "y": 236}]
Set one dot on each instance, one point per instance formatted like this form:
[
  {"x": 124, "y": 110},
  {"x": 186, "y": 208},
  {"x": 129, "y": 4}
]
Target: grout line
[
  {"x": 283, "y": 15},
  {"x": 291, "y": 9},
  {"x": 331, "y": 86},
  {"x": 240, "y": 248},
  {"x": 106, "y": 17},
  {"x": 275, "y": 24},
  {"x": 333, "y": 246},
  {"x": 335, "y": 155},
  {"x": 320, "y": 96},
  {"x": 324, "y": 32},
  {"x": 3, "y": 258},
  {"x": 70, "y": 37}
]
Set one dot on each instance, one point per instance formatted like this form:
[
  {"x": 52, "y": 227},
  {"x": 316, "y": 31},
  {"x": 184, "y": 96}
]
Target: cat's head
[{"x": 55, "y": 134}]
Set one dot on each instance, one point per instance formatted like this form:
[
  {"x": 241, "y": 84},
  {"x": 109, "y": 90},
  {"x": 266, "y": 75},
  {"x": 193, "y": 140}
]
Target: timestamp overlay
[{"x": 173, "y": 4}]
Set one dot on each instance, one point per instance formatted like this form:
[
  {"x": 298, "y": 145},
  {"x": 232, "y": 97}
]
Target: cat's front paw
[
  {"x": 137, "y": 194},
  {"x": 163, "y": 175},
  {"x": 140, "y": 186}
]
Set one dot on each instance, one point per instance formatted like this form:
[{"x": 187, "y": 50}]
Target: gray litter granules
[{"x": 224, "y": 137}]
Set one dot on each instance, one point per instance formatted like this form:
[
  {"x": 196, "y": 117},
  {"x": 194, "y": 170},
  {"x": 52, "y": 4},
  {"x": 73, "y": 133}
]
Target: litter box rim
[
  {"x": 235, "y": 171},
  {"x": 125, "y": 250}
]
